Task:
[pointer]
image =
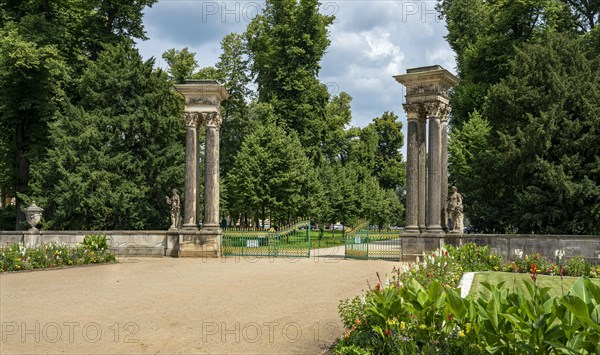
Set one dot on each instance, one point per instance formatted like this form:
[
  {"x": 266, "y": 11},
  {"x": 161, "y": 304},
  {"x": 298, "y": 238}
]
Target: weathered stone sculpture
[
  {"x": 33, "y": 214},
  {"x": 455, "y": 211},
  {"x": 175, "y": 203}
]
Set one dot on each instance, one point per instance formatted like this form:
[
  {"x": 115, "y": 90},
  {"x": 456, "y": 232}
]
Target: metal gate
[
  {"x": 292, "y": 241},
  {"x": 365, "y": 243}
]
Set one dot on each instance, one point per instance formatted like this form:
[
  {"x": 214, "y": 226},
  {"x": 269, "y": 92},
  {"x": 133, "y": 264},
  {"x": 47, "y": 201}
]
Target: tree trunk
[{"x": 23, "y": 172}]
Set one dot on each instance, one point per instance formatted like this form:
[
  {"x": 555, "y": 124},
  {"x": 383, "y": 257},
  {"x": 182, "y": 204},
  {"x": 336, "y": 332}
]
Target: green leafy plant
[
  {"x": 439, "y": 265},
  {"x": 578, "y": 266},
  {"x": 475, "y": 258},
  {"x": 17, "y": 257},
  {"x": 410, "y": 318}
]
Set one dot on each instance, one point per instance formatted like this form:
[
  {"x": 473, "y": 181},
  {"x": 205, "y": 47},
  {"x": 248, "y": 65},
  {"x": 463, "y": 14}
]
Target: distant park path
[{"x": 166, "y": 305}]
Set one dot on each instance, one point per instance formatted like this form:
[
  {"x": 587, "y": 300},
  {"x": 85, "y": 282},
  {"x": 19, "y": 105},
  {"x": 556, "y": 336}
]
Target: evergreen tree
[
  {"x": 117, "y": 153},
  {"x": 547, "y": 110},
  {"x": 45, "y": 46}
]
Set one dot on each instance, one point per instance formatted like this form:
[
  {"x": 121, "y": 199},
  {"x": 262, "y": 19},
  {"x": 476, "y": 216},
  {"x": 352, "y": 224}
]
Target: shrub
[
  {"x": 578, "y": 266},
  {"x": 439, "y": 266},
  {"x": 94, "y": 249},
  {"x": 475, "y": 258},
  {"x": 413, "y": 319},
  {"x": 542, "y": 264}
]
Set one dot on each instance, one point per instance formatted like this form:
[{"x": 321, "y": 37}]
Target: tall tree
[
  {"x": 547, "y": 112},
  {"x": 31, "y": 80},
  {"x": 181, "y": 64},
  {"x": 45, "y": 47},
  {"x": 234, "y": 68},
  {"x": 338, "y": 116},
  {"x": 389, "y": 167},
  {"x": 485, "y": 35},
  {"x": 286, "y": 43},
  {"x": 269, "y": 177},
  {"x": 115, "y": 154}
]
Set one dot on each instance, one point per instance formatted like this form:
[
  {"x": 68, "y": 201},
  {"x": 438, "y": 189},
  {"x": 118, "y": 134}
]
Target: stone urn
[{"x": 33, "y": 214}]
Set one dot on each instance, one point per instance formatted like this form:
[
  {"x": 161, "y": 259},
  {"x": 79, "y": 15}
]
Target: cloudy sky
[{"x": 370, "y": 42}]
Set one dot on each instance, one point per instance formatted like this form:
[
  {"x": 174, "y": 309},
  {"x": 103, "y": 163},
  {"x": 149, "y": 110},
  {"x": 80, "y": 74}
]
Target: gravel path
[{"x": 166, "y": 305}]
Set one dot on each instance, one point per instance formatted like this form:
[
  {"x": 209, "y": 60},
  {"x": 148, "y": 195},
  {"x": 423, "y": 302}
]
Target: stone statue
[
  {"x": 175, "y": 203},
  {"x": 455, "y": 211}
]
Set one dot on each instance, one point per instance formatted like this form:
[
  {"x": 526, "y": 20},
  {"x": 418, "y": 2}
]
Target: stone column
[
  {"x": 211, "y": 170},
  {"x": 434, "y": 175},
  {"x": 422, "y": 133},
  {"x": 412, "y": 170},
  {"x": 192, "y": 120},
  {"x": 444, "y": 169}
]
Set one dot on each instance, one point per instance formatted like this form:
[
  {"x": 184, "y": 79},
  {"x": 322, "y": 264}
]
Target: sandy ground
[{"x": 167, "y": 305}]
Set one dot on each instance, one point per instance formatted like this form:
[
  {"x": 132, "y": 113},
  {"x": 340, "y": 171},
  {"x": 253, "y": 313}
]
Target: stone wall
[
  {"x": 164, "y": 243},
  {"x": 506, "y": 245},
  {"x": 142, "y": 243}
]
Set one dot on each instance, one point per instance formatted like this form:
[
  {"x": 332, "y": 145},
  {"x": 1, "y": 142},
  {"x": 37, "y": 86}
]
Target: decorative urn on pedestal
[{"x": 33, "y": 214}]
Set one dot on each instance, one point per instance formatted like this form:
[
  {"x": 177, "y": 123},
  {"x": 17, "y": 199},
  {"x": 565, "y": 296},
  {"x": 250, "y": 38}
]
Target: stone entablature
[{"x": 202, "y": 95}]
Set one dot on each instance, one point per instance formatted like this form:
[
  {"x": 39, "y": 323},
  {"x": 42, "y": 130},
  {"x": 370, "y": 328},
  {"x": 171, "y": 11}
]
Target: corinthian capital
[
  {"x": 212, "y": 119},
  {"x": 192, "y": 119},
  {"x": 437, "y": 109},
  {"x": 414, "y": 110}
]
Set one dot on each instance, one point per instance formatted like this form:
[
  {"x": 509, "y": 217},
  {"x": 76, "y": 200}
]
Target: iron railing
[{"x": 292, "y": 241}]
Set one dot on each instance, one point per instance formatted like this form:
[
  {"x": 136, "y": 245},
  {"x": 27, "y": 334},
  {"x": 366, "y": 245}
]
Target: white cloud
[{"x": 370, "y": 42}]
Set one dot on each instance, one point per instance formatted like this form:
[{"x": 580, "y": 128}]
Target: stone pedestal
[
  {"x": 172, "y": 244},
  {"x": 200, "y": 244}
]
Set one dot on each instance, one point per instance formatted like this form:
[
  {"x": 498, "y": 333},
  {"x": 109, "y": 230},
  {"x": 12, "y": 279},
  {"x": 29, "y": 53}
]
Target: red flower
[
  {"x": 533, "y": 272},
  {"x": 449, "y": 316},
  {"x": 387, "y": 332}
]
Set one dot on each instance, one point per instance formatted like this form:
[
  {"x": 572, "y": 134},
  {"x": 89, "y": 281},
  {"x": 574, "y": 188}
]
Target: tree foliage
[
  {"x": 525, "y": 114},
  {"x": 286, "y": 43},
  {"x": 181, "y": 64},
  {"x": 270, "y": 176},
  {"x": 116, "y": 153},
  {"x": 46, "y": 46}
]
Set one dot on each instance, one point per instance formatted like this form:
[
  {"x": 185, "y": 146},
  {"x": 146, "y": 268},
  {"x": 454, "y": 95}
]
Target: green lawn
[
  {"x": 330, "y": 239},
  {"x": 514, "y": 280}
]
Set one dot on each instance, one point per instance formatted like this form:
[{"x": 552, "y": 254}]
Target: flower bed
[
  {"x": 418, "y": 310},
  {"x": 94, "y": 249}
]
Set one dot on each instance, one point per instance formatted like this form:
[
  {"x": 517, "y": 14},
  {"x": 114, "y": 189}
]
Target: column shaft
[
  {"x": 444, "y": 170},
  {"x": 412, "y": 175},
  {"x": 211, "y": 172},
  {"x": 191, "y": 159},
  {"x": 422, "y": 133},
  {"x": 434, "y": 176}
]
